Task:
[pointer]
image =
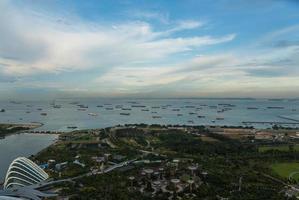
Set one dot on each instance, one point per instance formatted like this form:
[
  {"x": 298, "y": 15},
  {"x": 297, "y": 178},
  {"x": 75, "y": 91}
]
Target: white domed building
[
  {"x": 23, "y": 172},
  {"x": 25, "y": 180}
]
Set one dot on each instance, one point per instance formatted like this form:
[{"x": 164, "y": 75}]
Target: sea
[
  {"x": 89, "y": 113},
  {"x": 62, "y": 114}
]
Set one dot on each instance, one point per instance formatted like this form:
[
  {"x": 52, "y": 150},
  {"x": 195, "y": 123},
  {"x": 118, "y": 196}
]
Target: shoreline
[
  {"x": 16, "y": 128},
  {"x": 32, "y": 144},
  {"x": 223, "y": 130}
]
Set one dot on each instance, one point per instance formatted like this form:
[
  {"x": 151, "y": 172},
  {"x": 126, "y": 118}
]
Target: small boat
[
  {"x": 252, "y": 108},
  {"x": 192, "y": 113},
  {"x": 190, "y": 121},
  {"x": 157, "y": 117},
  {"x": 44, "y": 114},
  {"x": 72, "y": 127},
  {"x": 189, "y": 106},
  {"x": 2, "y": 110},
  {"x": 93, "y": 114},
  {"x": 138, "y": 106},
  {"x": 55, "y": 105},
  {"x": 275, "y": 107},
  {"x": 226, "y": 105},
  {"x": 81, "y": 109},
  {"x": 15, "y": 102},
  {"x": 179, "y": 114},
  {"x": 201, "y": 116},
  {"x": 132, "y": 102},
  {"x": 275, "y": 99},
  {"x": 126, "y": 109},
  {"x": 109, "y": 108},
  {"x": 219, "y": 118},
  {"x": 82, "y": 106},
  {"x": 175, "y": 109},
  {"x": 99, "y": 106},
  {"x": 124, "y": 113},
  {"x": 144, "y": 109},
  {"x": 39, "y": 109}
]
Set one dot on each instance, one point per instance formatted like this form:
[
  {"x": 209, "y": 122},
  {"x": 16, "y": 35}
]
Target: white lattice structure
[
  {"x": 9, "y": 198},
  {"x": 23, "y": 172}
]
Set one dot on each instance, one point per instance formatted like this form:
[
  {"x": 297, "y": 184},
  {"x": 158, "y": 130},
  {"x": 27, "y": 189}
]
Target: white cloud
[
  {"x": 187, "y": 24},
  {"x": 138, "y": 78},
  {"x": 133, "y": 57},
  {"x": 31, "y": 46},
  {"x": 232, "y": 73}
]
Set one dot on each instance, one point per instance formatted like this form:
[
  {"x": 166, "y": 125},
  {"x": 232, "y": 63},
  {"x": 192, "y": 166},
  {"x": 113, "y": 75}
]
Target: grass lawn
[
  {"x": 279, "y": 148},
  {"x": 285, "y": 169}
]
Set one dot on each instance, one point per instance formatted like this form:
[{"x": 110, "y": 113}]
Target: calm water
[
  {"x": 21, "y": 145},
  {"x": 167, "y": 110},
  {"x": 68, "y": 114}
]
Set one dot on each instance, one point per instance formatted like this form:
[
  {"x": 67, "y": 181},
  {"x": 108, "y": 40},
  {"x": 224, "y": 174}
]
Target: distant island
[{"x": 6, "y": 129}]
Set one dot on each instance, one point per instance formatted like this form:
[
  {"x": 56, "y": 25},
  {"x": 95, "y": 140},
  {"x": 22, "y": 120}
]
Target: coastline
[
  {"x": 22, "y": 144},
  {"x": 16, "y": 128},
  {"x": 232, "y": 132},
  {"x": 228, "y": 131}
]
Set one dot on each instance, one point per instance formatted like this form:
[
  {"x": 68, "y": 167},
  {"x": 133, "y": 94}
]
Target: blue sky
[{"x": 126, "y": 48}]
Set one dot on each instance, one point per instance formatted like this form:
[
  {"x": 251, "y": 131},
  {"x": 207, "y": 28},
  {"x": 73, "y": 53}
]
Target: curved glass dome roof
[{"x": 23, "y": 172}]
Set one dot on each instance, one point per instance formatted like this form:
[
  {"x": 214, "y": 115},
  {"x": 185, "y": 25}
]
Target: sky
[{"x": 154, "y": 49}]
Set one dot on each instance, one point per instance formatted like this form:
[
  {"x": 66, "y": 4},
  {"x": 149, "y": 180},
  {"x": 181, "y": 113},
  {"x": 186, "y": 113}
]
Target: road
[{"x": 109, "y": 169}]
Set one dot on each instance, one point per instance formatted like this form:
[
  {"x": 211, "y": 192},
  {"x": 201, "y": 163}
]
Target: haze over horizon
[{"x": 130, "y": 48}]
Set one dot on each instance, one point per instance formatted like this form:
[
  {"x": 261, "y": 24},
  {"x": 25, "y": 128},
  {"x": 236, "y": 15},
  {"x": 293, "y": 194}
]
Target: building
[
  {"x": 9, "y": 198},
  {"x": 26, "y": 180},
  {"x": 23, "y": 172}
]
